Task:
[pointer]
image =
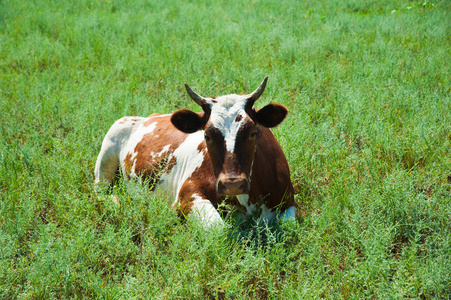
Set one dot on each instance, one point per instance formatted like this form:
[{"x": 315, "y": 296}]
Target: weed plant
[{"x": 368, "y": 140}]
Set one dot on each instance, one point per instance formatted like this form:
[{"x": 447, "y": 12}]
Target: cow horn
[
  {"x": 198, "y": 99},
  {"x": 258, "y": 92}
]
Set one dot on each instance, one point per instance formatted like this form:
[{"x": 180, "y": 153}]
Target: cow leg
[
  {"x": 288, "y": 214},
  {"x": 106, "y": 166},
  {"x": 204, "y": 210}
]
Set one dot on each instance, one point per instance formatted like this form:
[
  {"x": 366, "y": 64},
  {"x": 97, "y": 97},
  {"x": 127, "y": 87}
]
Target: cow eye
[
  {"x": 207, "y": 138},
  {"x": 253, "y": 134}
]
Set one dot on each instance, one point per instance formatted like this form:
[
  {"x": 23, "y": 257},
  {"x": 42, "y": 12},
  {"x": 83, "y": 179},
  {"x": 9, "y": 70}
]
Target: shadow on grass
[{"x": 260, "y": 234}]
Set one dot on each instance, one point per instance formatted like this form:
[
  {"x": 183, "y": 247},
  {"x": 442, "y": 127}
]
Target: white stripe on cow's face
[{"x": 224, "y": 116}]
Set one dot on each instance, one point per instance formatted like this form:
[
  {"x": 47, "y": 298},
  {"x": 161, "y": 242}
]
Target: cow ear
[
  {"x": 271, "y": 115},
  {"x": 187, "y": 121}
]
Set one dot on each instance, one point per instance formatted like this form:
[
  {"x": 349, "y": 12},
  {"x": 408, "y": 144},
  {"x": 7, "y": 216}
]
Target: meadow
[{"x": 367, "y": 138}]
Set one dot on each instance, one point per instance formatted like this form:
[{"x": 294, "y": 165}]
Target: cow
[{"x": 224, "y": 156}]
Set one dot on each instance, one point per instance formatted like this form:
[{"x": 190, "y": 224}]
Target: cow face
[{"x": 232, "y": 130}]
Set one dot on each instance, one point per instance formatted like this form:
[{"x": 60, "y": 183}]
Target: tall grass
[{"x": 368, "y": 140}]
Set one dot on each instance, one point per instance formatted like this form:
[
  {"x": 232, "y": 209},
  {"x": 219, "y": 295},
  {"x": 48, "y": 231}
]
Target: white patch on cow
[
  {"x": 114, "y": 144},
  {"x": 223, "y": 116},
  {"x": 164, "y": 150},
  {"x": 244, "y": 200},
  {"x": 205, "y": 211},
  {"x": 288, "y": 214},
  {"x": 187, "y": 160},
  {"x": 267, "y": 213},
  {"x": 135, "y": 136}
]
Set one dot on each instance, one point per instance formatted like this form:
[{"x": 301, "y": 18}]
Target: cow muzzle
[{"x": 232, "y": 185}]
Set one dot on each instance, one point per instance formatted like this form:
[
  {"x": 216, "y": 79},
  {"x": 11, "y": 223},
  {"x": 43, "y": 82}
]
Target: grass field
[{"x": 368, "y": 140}]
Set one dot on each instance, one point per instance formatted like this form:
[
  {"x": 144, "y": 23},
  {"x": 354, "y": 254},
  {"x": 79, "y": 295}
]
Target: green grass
[{"x": 368, "y": 140}]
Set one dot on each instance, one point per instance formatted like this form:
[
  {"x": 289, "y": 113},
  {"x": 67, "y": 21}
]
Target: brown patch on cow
[
  {"x": 128, "y": 163},
  {"x": 238, "y": 118},
  {"x": 147, "y": 163},
  {"x": 270, "y": 174}
]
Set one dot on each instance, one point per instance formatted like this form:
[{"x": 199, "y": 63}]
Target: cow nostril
[{"x": 221, "y": 186}]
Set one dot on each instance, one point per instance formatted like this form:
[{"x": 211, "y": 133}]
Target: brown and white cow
[{"x": 199, "y": 160}]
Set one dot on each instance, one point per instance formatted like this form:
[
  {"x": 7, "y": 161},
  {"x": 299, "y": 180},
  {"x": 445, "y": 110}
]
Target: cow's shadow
[{"x": 260, "y": 234}]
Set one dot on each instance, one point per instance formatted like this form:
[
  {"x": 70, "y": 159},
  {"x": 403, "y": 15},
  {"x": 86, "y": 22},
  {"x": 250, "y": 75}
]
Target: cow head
[{"x": 232, "y": 128}]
